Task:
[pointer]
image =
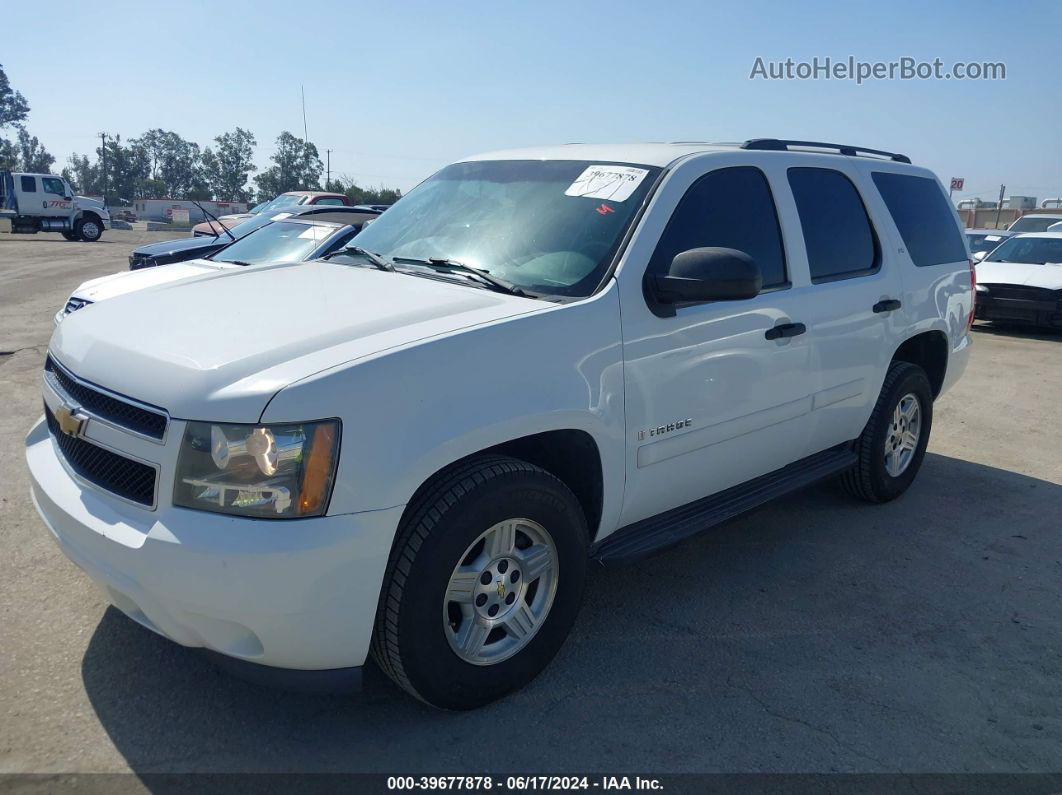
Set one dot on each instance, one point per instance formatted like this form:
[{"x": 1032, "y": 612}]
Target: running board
[{"x": 672, "y": 527}]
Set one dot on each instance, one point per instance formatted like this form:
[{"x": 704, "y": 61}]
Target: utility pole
[
  {"x": 328, "y": 168},
  {"x": 103, "y": 164},
  {"x": 999, "y": 204},
  {"x": 305, "y": 135}
]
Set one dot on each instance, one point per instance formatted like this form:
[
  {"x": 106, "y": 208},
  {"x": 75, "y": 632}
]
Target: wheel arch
[
  {"x": 928, "y": 350},
  {"x": 570, "y": 454}
]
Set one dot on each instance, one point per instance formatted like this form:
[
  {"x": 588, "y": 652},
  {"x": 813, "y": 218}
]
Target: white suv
[{"x": 535, "y": 359}]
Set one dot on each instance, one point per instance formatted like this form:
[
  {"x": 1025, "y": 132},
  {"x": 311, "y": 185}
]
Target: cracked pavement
[{"x": 817, "y": 634}]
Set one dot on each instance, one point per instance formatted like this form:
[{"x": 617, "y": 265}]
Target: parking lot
[{"x": 815, "y": 635}]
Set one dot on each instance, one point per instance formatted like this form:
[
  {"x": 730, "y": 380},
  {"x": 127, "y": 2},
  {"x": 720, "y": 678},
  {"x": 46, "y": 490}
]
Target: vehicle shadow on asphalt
[
  {"x": 1016, "y": 330},
  {"x": 816, "y": 634}
]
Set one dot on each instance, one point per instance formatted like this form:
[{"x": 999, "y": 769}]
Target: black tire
[
  {"x": 88, "y": 229},
  {"x": 869, "y": 479},
  {"x": 70, "y": 236},
  {"x": 410, "y": 642}
]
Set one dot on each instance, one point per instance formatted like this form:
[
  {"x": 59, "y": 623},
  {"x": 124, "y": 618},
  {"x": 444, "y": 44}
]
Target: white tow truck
[{"x": 31, "y": 203}]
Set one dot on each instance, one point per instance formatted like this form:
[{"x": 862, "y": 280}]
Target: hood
[
  {"x": 182, "y": 245},
  {"x": 1048, "y": 276},
  {"x": 129, "y": 281},
  {"x": 85, "y": 202},
  {"x": 220, "y": 346}
]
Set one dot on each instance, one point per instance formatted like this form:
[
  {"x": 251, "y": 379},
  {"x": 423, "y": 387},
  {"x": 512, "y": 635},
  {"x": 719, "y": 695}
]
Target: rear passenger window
[
  {"x": 729, "y": 208},
  {"x": 29, "y": 184},
  {"x": 837, "y": 233},
  {"x": 922, "y": 214}
]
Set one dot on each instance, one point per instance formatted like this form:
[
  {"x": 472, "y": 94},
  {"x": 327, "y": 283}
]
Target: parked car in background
[
  {"x": 537, "y": 358},
  {"x": 284, "y": 239},
  {"x": 186, "y": 248},
  {"x": 1021, "y": 281},
  {"x": 285, "y": 201},
  {"x": 981, "y": 241},
  {"x": 1034, "y": 222}
]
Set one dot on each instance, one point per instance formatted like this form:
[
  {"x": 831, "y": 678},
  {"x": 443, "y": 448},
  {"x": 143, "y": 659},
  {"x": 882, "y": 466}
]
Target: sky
[{"x": 398, "y": 89}]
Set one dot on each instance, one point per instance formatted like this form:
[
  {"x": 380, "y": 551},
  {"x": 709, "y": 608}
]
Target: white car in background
[
  {"x": 1035, "y": 222},
  {"x": 285, "y": 239},
  {"x": 1021, "y": 281}
]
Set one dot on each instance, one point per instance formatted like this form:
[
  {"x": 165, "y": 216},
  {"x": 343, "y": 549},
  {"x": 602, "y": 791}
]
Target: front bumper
[
  {"x": 293, "y": 594},
  {"x": 1035, "y": 311}
]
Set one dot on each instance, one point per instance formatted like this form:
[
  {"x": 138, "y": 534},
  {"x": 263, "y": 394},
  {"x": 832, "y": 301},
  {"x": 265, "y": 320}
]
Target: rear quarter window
[
  {"x": 922, "y": 216},
  {"x": 838, "y": 237}
]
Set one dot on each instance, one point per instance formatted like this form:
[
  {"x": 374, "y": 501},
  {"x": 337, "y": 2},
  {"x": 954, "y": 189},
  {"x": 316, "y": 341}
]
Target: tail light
[{"x": 973, "y": 295}]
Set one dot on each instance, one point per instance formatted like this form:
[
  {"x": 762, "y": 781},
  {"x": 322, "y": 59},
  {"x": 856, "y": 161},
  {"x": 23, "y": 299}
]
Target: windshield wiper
[
  {"x": 234, "y": 262},
  {"x": 452, "y": 266},
  {"x": 358, "y": 251}
]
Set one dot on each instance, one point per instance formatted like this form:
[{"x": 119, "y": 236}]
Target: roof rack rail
[{"x": 779, "y": 145}]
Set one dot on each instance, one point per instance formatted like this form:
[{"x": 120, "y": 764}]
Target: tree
[
  {"x": 82, "y": 175},
  {"x": 172, "y": 164},
  {"x": 227, "y": 170},
  {"x": 360, "y": 195},
  {"x": 13, "y": 107},
  {"x": 123, "y": 170},
  {"x": 8, "y": 155},
  {"x": 32, "y": 156},
  {"x": 296, "y": 166}
]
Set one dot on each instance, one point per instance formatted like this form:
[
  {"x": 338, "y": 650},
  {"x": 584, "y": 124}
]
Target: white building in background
[{"x": 162, "y": 209}]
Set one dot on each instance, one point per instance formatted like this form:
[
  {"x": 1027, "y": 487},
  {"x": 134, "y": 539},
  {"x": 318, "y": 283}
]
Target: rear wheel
[
  {"x": 483, "y": 585},
  {"x": 893, "y": 444},
  {"x": 88, "y": 229}
]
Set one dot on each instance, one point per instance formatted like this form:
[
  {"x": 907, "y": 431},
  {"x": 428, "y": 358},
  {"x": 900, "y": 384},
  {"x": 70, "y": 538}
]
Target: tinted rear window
[
  {"x": 837, "y": 233},
  {"x": 921, "y": 212}
]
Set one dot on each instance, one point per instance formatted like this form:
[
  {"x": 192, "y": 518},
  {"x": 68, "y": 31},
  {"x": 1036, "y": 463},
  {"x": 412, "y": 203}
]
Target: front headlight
[{"x": 267, "y": 471}]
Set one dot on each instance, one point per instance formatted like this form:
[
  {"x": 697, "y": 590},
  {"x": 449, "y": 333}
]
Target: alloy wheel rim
[
  {"x": 89, "y": 229},
  {"x": 901, "y": 439},
  {"x": 500, "y": 592}
]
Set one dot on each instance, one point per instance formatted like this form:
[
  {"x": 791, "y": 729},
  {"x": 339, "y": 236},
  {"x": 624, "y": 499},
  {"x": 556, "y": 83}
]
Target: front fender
[{"x": 409, "y": 412}]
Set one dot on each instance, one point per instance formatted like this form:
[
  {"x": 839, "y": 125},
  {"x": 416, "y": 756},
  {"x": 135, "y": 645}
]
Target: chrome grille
[
  {"x": 1023, "y": 292},
  {"x": 136, "y": 418},
  {"x": 115, "y": 473}
]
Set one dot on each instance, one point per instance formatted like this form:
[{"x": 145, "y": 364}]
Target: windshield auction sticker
[{"x": 615, "y": 183}]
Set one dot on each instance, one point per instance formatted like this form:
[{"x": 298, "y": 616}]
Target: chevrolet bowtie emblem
[
  {"x": 501, "y": 589},
  {"x": 70, "y": 420}
]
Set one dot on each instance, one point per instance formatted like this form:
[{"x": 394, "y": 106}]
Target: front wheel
[
  {"x": 88, "y": 229},
  {"x": 893, "y": 444},
  {"x": 484, "y": 583},
  {"x": 70, "y": 236}
]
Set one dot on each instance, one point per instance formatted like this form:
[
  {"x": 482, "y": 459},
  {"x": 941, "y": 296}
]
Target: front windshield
[
  {"x": 1033, "y": 250},
  {"x": 1034, "y": 223},
  {"x": 547, "y": 226},
  {"x": 257, "y": 208},
  {"x": 983, "y": 242},
  {"x": 280, "y": 202},
  {"x": 276, "y": 242},
  {"x": 245, "y": 228}
]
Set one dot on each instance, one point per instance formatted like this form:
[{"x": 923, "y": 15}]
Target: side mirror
[
  {"x": 707, "y": 274},
  {"x": 980, "y": 255}
]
